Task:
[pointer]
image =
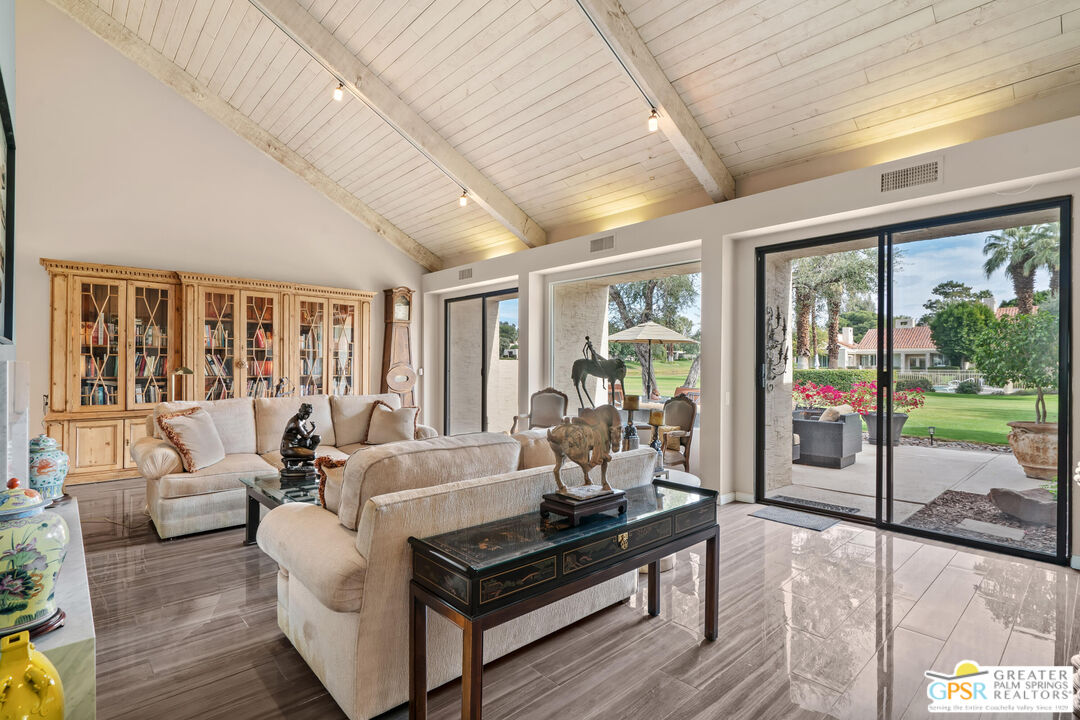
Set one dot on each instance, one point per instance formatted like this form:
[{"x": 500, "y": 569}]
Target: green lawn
[
  {"x": 977, "y": 418},
  {"x": 669, "y": 376}
]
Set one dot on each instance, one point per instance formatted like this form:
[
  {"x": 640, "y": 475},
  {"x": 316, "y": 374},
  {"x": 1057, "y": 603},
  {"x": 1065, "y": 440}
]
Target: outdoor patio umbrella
[{"x": 646, "y": 334}]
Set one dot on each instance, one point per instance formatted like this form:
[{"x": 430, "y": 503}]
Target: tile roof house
[{"x": 913, "y": 348}]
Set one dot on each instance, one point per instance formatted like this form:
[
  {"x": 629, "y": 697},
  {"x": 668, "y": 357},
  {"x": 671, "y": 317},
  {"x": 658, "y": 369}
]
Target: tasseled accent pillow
[{"x": 193, "y": 434}]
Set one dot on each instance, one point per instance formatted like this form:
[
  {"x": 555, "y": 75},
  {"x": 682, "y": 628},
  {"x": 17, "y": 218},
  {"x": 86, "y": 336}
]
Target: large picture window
[{"x": 916, "y": 376}]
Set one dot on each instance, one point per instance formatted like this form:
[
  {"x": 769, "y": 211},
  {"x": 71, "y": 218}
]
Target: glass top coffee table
[{"x": 267, "y": 490}]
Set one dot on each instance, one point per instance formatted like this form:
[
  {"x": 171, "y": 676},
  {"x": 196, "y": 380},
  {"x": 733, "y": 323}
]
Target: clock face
[{"x": 401, "y": 308}]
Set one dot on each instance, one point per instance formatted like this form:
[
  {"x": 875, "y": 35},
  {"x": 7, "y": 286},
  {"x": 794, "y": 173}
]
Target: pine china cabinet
[{"x": 120, "y": 334}]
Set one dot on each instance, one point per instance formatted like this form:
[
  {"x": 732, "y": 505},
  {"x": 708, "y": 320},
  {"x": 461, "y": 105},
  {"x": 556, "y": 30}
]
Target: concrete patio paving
[{"x": 920, "y": 475}]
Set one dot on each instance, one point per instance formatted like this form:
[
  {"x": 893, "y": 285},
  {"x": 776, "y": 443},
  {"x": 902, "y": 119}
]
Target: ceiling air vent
[
  {"x": 464, "y": 274},
  {"x": 923, "y": 174},
  {"x": 602, "y": 243}
]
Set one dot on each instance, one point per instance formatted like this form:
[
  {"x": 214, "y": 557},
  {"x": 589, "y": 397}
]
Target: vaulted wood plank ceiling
[{"x": 528, "y": 92}]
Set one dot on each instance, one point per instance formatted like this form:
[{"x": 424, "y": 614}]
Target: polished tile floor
[{"x": 839, "y": 624}]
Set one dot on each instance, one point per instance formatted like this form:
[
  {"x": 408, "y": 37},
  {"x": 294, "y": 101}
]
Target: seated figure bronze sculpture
[{"x": 298, "y": 444}]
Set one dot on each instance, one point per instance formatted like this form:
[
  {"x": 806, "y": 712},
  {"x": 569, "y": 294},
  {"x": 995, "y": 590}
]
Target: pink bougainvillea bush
[
  {"x": 809, "y": 395},
  {"x": 863, "y": 398}
]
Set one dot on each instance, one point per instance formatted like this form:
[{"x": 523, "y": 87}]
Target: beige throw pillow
[
  {"x": 193, "y": 434},
  {"x": 834, "y": 413},
  {"x": 389, "y": 425}
]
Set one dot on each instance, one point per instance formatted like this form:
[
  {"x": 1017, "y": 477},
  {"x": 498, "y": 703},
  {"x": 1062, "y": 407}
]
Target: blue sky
[
  {"x": 508, "y": 311},
  {"x": 929, "y": 262}
]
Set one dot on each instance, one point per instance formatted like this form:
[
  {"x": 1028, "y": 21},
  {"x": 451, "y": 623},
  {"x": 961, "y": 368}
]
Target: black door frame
[
  {"x": 884, "y": 484},
  {"x": 482, "y": 297}
]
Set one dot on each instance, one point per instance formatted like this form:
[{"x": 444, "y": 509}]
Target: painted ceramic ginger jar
[
  {"x": 48, "y": 467},
  {"x": 33, "y": 545},
  {"x": 30, "y": 687}
]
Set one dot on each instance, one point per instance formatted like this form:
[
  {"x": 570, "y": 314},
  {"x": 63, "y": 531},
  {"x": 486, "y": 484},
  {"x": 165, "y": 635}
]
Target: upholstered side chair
[
  {"x": 679, "y": 412},
  {"x": 547, "y": 408}
]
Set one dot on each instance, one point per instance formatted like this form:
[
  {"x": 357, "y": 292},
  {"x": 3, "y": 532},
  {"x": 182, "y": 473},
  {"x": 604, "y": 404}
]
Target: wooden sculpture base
[{"x": 575, "y": 510}]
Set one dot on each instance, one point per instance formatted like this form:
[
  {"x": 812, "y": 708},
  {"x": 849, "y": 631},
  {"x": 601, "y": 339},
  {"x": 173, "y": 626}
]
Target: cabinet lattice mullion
[{"x": 124, "y": 337}]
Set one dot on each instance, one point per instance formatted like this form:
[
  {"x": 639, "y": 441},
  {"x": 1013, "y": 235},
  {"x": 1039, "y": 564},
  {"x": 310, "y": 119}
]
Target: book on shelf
[
  {"x": 216, "y": 366},
  {"x": 98, "y": 394},
  {"x": 149, "y": 365},
  {"x": 98, "y": 332},
  {"x": 261, "y": 338},
  {"x": 216, "y": 336},
  {"x": 94, "y": 367}
]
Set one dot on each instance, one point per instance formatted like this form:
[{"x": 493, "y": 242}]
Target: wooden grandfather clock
[{"x": 399, "y": 375}]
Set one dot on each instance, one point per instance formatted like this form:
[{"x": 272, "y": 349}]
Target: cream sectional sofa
[
  {"x": 181, "y": 503},
  {"x": 343, "y": 584}
]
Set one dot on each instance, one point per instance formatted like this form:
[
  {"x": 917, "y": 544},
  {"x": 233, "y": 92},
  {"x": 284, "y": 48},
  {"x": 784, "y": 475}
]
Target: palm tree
[
  {"x": 1046, "y": 252},
  {"x": 1015, "y": 250}
]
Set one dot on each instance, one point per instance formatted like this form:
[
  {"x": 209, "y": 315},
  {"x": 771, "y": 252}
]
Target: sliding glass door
[
  {"x": 480, "y": 357},
  {"x": 925, "y": 370},
  {"x": 978, "y": 342}
]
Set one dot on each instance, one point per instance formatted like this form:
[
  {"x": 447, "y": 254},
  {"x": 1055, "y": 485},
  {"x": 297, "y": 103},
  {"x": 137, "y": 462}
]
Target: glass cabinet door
[
  {"x": 100, "y": 305},
  {"x": 312, "y": 327},
  {"x": 343, "y": 348},
  {"x": 150, "y": 309},
  {"x": 218, "y": 311},
  {"x": 259, "y": 345}
]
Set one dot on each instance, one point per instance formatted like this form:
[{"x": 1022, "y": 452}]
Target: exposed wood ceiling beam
[
  {"x": 134, "y": 48},
  {"x": 676, "y": 122},
  {"x": 358, "y": 79}
]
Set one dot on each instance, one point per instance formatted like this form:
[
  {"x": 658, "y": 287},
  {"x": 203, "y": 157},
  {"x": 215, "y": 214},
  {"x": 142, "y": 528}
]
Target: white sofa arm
[
  {"x": 425, "y": 432},
  {"x": 313, "y": 547},
  {"x": 155, "y": 458}
]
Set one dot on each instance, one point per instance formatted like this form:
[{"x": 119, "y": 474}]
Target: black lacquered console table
[{"x": 483, "y": 576}]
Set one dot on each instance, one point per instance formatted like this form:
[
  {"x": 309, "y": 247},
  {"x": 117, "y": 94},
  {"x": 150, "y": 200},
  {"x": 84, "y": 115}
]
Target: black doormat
[
  {"x": 944, "y": 514},
  {"x": 815, "y": 504},
  {"x": 796, "y": 518}
]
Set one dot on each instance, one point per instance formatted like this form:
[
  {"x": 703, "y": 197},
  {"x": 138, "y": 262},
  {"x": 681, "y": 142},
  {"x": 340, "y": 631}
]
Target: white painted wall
[
  {"x": 1036, "y": 162},
  {"x": 7, "y": 47},
  {"x": 114, "y": 167}
]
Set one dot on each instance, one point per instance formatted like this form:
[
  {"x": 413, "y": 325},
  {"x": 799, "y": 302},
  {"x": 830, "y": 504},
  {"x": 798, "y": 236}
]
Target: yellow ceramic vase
[{"x": 30, "y": 687}]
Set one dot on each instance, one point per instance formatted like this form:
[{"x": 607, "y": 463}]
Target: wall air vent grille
[
  {"x": 923, "y": 174},
  {"x": 464, "y": 274},
  {"x": 602, "y": 243}
]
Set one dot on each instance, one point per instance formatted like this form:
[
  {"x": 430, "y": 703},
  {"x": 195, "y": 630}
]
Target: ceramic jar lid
[
  {"x": 43, "y": 443},
  {"x": 16, "y": 501}
]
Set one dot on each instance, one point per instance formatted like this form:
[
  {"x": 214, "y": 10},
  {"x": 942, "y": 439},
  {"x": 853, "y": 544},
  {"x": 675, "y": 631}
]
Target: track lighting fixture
[
  {"x": 339, "y": 92},
  {"x": 464, "y": 199},
  {"x": 654, "y": 120}
]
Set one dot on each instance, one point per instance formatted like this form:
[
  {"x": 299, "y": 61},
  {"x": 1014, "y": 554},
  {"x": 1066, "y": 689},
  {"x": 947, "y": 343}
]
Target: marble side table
[{"x": 72, "y": 648}]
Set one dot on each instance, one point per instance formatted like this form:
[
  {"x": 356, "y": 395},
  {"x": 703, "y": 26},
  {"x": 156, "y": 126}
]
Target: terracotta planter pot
[
  {"x": 898, "y": 420},
  {"x": 1035, "y": 446}
]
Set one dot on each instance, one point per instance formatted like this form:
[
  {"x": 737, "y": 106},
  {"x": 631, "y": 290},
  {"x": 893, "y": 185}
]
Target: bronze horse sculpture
[
  {"x": 598, "y": 366},
  {"x": 609, "y": 370}
]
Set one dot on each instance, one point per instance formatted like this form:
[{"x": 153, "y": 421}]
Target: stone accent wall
[
  {"x": 464, "y": 360},
  {"x": 778, "y": 401},
  {"x": 579, "y": 309}
]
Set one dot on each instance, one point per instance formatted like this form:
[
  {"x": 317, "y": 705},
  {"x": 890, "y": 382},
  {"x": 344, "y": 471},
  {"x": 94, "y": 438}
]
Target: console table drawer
[{"x": 612, "y": 547}]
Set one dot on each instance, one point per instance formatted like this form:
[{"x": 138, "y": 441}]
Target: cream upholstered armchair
[
  {"x": 547, "y": 408},
  {"x": 679, "y": 412}
]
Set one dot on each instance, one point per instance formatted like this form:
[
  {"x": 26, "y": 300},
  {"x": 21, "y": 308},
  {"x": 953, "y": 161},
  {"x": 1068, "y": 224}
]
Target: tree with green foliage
[
  {"x": 1038, "y": 299},
  {"x": 1022, "y": 349},
  {"x": 1019, "y": 251},
  {"x": 850, "y": 273},
  {"x": 947, "y": 293},
  {"x": 508, "y": 336},
  {"x": 956, "y": 327},
  {"x": 661, "y": 300},
  {"x": 1046, "y": 253},
  {"x": 860, "y": 322}
]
